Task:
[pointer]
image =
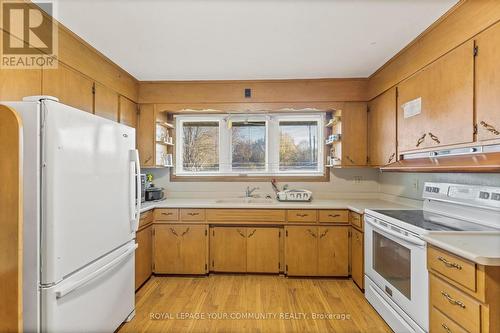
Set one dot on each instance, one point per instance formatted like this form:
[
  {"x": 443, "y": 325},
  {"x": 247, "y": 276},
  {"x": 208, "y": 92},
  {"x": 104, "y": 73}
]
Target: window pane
[
  {"x": 249, "y": 146},
  {"x": 298, "y": 145},
  {"x": 201, "y": 146}
]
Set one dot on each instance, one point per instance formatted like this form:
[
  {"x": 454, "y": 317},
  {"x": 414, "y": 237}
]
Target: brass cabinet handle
[
  {"x": 452, "y": 300},
  {"x": 241, "y": 234},
  {"x": 446, "y": 328},
  {"x": 174, "y": 232},
  {"x": 185, "y": 232},
  {"x": 301, "y": 215},
  {"x": 435, "y": 138},
  {"x": 148, "y": 159},
  {"x": 334, "y": 215},
  {"x": 350, "y": 160},
  {"x": 391, "y": 158},
  {"x": 193, "y": 214},
  {"x": 421, "y": 139},
  {"x": 323, "y": 234},
  {"x": 168, "y": 214},
  {"x": 312, "y": 233},
  {"x": 253, "y": 232},
  {"x": 357, "y": 237},
  {"x": 449, "y": 263},
  {"x": 489, "y": 128}
]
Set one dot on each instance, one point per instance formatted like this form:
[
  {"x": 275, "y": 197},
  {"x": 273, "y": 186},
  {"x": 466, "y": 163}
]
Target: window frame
[{"x": 273, "y": 140}]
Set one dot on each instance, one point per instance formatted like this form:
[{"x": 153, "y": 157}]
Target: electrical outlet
[{"x": 415, "y": 184}]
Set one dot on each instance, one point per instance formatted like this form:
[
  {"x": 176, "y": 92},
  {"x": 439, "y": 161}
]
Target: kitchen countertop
[
  {"x": 480, "y": 247},
  {"x": 356, "y": 205}
]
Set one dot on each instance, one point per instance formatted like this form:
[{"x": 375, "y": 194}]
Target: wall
[
  {"x": 344, "y": 183},
  {"x": 409, "y": 185}
]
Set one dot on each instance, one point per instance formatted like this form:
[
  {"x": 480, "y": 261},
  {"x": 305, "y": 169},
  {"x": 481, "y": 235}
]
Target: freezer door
[
  {"x": 97, "y": 299},
  {"x": 88, "y": 189}
]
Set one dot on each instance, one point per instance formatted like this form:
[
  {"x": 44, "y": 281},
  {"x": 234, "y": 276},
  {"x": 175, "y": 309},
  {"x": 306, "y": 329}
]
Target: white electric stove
[{"x": 396, "y": 279}]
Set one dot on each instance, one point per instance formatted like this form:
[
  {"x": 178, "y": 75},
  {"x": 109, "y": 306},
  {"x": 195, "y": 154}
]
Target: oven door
[{"x": 395, "y": 260}]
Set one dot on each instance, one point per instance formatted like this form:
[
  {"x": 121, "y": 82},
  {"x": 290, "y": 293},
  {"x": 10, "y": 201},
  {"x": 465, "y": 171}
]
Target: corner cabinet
[
  {"x": 445, "y": 90},
  {"x": 382, "y": 129},
  {"x": 487, "y": 82},
  {"x": 317, "y": 251}
]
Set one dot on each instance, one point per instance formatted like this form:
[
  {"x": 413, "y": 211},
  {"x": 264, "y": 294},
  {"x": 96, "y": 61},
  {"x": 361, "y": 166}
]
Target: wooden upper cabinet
[
  {"x": 18, "y": 83},
  {"x": 488, "y": 84},
  {"x": 71, "y": 87},
  {"x": 106, "y": 102},
  {"x": 128, "y": 112},
  {"x": 354, "y": 142},
  {"x": 446, "y": 89},
  {"x": 146, "y": 135},
  {"x": 382, "y": 129}
]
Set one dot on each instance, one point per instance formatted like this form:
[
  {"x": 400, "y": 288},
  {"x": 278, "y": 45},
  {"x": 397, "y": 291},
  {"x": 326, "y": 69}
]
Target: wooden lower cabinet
[
  {"x": 245, "y": 249},
  {"x": 263, "y": 250},
  {"x": 228, "y": 249},
  {"x": 357, "y": 257},
  {"x": 180, "y": 249},
  {"x": 143, "y": 255},
  {"x": 317, "y": 251}
]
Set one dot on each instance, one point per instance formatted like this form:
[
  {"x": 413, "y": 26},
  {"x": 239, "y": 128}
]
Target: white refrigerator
[{"x": 81, "y": 211}]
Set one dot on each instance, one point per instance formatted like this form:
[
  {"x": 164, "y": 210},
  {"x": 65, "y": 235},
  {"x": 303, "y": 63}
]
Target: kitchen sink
[{"x": 259, "y": 201}]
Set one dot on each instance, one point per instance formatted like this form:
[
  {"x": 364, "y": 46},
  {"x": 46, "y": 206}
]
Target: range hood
[{"x": 470, "y": 159}]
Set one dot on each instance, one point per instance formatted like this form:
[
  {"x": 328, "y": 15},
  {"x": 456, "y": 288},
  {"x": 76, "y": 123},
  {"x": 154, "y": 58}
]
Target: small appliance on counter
[{"x": 154, "y": 193}]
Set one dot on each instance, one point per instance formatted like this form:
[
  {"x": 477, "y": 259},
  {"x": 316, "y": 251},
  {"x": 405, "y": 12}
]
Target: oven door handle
[{"x": 412, "y": 240}]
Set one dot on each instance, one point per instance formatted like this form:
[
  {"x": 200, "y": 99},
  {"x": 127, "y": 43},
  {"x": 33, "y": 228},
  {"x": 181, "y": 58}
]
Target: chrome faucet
[{"x": 249, "y": 191}]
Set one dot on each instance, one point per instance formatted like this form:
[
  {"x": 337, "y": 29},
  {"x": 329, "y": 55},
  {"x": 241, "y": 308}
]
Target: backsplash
[
  {"x": 409, "y": 185},
  {"x": 343, "y": 183}
]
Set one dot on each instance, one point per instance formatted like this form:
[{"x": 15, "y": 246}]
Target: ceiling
[{"x": 249, "y": 39}]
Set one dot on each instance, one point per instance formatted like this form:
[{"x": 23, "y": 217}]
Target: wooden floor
[{"x": 219, "y": 303}]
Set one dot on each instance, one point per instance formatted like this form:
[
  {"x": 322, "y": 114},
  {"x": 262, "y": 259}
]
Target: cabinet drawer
[
  {"x": 439, "y": 323},
  {"x": 356, "y": 220},
  {"x": 333, "y": 216},
  {"x": 166, "y": 214},
  {"x": 145, "y": 218},
  {"x": 455, "y": 268},
  {"x": 301, "y": 215},
  {"x": 192, "y": 214},
  {"x": 455, "y": 304}
]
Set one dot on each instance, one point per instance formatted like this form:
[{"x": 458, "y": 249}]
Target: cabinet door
[
  {"x": 301, "y": 250},
  {"x": 357, "y": 257},
  {"x": 354, "y": 128},
  {"x": 71, "y": 87},
  {"x": 333, "y": 251},
  {"x": 488, "y": 84},
  {"x": 263, "y": 252},
  {"x": 106, "y": 102},
  {"x": 446, "y": 91},
  {"x": 229, "y": 249},
  {"x": 18, "y": 83},
  {"x": 128, "y": 112},
  {"x": 146, "y": 135},
  {"x": 382, "y": 129},
  {"x": 180, "y": 249},
  {"x": 143, "y": 256}
]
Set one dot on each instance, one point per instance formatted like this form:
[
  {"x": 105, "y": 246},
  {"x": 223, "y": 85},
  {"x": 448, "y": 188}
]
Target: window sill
[{"x": 253, "y": 178}]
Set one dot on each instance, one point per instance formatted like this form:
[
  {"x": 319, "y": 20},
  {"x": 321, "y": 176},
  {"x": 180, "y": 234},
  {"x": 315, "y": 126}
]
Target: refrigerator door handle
[
  {"x": 135, "y": 196},
  {"x": 64, "y": 291}
]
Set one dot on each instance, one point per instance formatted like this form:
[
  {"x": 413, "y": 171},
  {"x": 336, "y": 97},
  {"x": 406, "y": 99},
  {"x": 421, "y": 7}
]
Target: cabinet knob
[
  {"x": 391, "y": 158},
  {"x": 489, "y": 128},
  {"x": 241, "y": 234},
  {"x": 434, "y": 138},
  {"x": 252, "y": 233},
  {"x": 185, "y": 232},
  {"x": 421, "y": 139},
  {"x": 172, "y": 230}
]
